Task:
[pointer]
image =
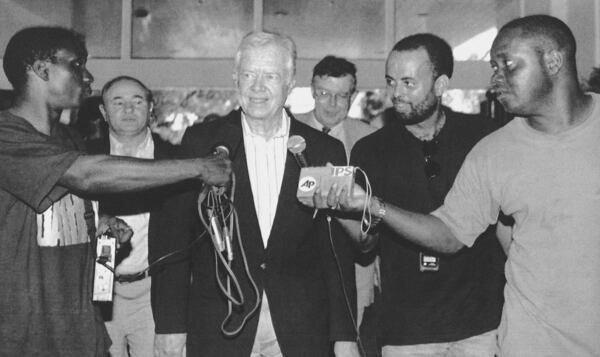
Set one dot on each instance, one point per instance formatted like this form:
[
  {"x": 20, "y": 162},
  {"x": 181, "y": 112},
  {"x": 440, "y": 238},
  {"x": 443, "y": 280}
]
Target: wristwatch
[
  {"x": 380, "y": 212},
  {"x": 377, "y": 213}
]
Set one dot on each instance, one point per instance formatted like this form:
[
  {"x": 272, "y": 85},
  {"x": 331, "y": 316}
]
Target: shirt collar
[
  {"x": 319, "y": 126},
  {"x": 282, "y": 131},
  {"x": 119, "y": 145}
]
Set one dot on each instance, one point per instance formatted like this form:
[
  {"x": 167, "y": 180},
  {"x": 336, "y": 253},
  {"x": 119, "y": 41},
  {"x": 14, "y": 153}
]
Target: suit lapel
[
  {"x": 162, "y": 149},
  {"x": 231, "y": 135},
  {"x": 286, "y": 202}
]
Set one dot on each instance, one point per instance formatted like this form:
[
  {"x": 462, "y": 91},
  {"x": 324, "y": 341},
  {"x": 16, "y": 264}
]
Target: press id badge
[{"x": 428, "y": 262}]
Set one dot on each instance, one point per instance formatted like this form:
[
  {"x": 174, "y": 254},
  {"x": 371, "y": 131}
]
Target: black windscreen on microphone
[
  {"x": 221, "y": 151},
  {"x": 296, "y": 145}
]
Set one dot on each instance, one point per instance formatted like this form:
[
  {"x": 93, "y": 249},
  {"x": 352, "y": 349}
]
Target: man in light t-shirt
[
  {"x": 47, "y": 255},
  {"x": 543, "y": 169}
]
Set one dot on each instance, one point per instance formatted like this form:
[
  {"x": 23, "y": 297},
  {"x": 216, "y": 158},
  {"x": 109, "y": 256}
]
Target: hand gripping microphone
[
  {"x": 220, "y": 151},
  {"x": 296, "y": 145},
  {"x": 213, "y": 205}
]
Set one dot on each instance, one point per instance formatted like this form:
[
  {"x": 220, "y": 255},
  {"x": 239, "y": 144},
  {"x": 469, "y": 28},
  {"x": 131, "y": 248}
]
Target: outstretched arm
[
  {"x": 107, "y": 174},
  {"x": 422, "y": 229}
]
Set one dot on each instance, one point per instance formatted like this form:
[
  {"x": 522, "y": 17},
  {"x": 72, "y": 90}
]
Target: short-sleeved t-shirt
[
  {"x": 550, "y": 184},
  {"x": 46, "y": 257}
]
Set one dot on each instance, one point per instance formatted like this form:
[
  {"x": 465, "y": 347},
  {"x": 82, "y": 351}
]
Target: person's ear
[
  {"x": 441, "y": 84},
  {"x": 41, "y": 69},
  {"x": 234, "y": 76},
  {"x": 554, "y": 61},
  {"x": 291, "y": 87},
  {"x": 353, "y": 96},
  {"x": 103, "y": 111},
  {"x": 151, "y": 112}
]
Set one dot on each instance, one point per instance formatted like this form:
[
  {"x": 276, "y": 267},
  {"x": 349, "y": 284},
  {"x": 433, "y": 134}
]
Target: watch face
[{"x": 428, "y": 262}]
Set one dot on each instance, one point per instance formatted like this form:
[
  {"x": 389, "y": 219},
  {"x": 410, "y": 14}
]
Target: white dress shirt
[
  {"x": 138, "y": 258},
  {"x": 266, "y": 163}
]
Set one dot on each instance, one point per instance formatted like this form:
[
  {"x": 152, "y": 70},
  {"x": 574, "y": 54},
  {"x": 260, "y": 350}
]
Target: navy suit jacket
[{"x": 297, "y": 269}]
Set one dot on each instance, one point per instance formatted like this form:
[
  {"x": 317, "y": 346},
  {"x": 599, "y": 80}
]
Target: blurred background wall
[{"x": 183, "y": 49}]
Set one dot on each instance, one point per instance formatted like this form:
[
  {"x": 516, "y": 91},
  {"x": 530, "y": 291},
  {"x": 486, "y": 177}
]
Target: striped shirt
[
  {"x": 63, "y": 223},
  {"x": 266, "y": 163}
]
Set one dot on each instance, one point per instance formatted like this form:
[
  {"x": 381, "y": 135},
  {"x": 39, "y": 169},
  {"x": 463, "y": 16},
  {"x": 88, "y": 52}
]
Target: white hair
[{"x": 260, "y": 39}]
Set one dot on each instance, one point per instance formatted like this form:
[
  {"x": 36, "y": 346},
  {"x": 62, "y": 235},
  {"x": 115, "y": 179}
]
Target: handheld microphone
[
  {"x": 296, "y": 145},
  {"x": 220, "y": 151},
  {"x": 221, "y": 239}
]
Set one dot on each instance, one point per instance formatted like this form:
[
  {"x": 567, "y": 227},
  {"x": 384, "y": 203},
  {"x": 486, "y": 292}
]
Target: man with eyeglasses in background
[
  {"x": 333, "y": 88},
  {"x": 432, "y": 305}
]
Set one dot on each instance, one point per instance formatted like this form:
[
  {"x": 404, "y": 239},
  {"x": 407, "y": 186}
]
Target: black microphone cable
[
  {"x": 365, "y": 226},
  {"x": 220, "y": 220},
  {"x": 102, "y": 261},
  {"x": 219, "y": 150},
  {"x": 344, "y": 290}
]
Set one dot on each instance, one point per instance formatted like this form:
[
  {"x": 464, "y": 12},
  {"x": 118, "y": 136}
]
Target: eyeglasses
[
  {"x": 432, "y": 168},
  {"x": 324, "y": 95}
]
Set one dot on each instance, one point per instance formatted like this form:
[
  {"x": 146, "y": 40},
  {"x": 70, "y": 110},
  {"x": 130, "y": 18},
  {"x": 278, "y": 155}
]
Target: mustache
[
  {"x": 496, "y": 90},
  {"x": 396, "y": 100}
]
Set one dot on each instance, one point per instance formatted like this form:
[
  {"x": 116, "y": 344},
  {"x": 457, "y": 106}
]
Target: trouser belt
[{"x": 130, "y": 278}]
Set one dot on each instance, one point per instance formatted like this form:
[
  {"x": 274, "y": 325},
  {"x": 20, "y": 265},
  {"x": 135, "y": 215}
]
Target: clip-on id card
[{"x": 428, "y": 262}]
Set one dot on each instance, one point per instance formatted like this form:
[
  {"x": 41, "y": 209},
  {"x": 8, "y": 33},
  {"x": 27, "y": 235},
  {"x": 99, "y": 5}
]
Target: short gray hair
[{"x": 259, "y": 39}]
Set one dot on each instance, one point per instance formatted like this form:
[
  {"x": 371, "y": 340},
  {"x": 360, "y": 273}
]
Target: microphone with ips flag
[{"x": 322, "y": 177}]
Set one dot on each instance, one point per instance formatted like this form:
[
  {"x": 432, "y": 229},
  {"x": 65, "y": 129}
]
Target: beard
[{"x": 419, "y": 111}]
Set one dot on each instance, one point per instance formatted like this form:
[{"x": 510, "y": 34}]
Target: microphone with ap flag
[{"x": 322, "y": 177}]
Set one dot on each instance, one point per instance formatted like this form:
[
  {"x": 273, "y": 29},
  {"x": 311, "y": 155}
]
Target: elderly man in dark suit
[{"x": 303, "y": 310}]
